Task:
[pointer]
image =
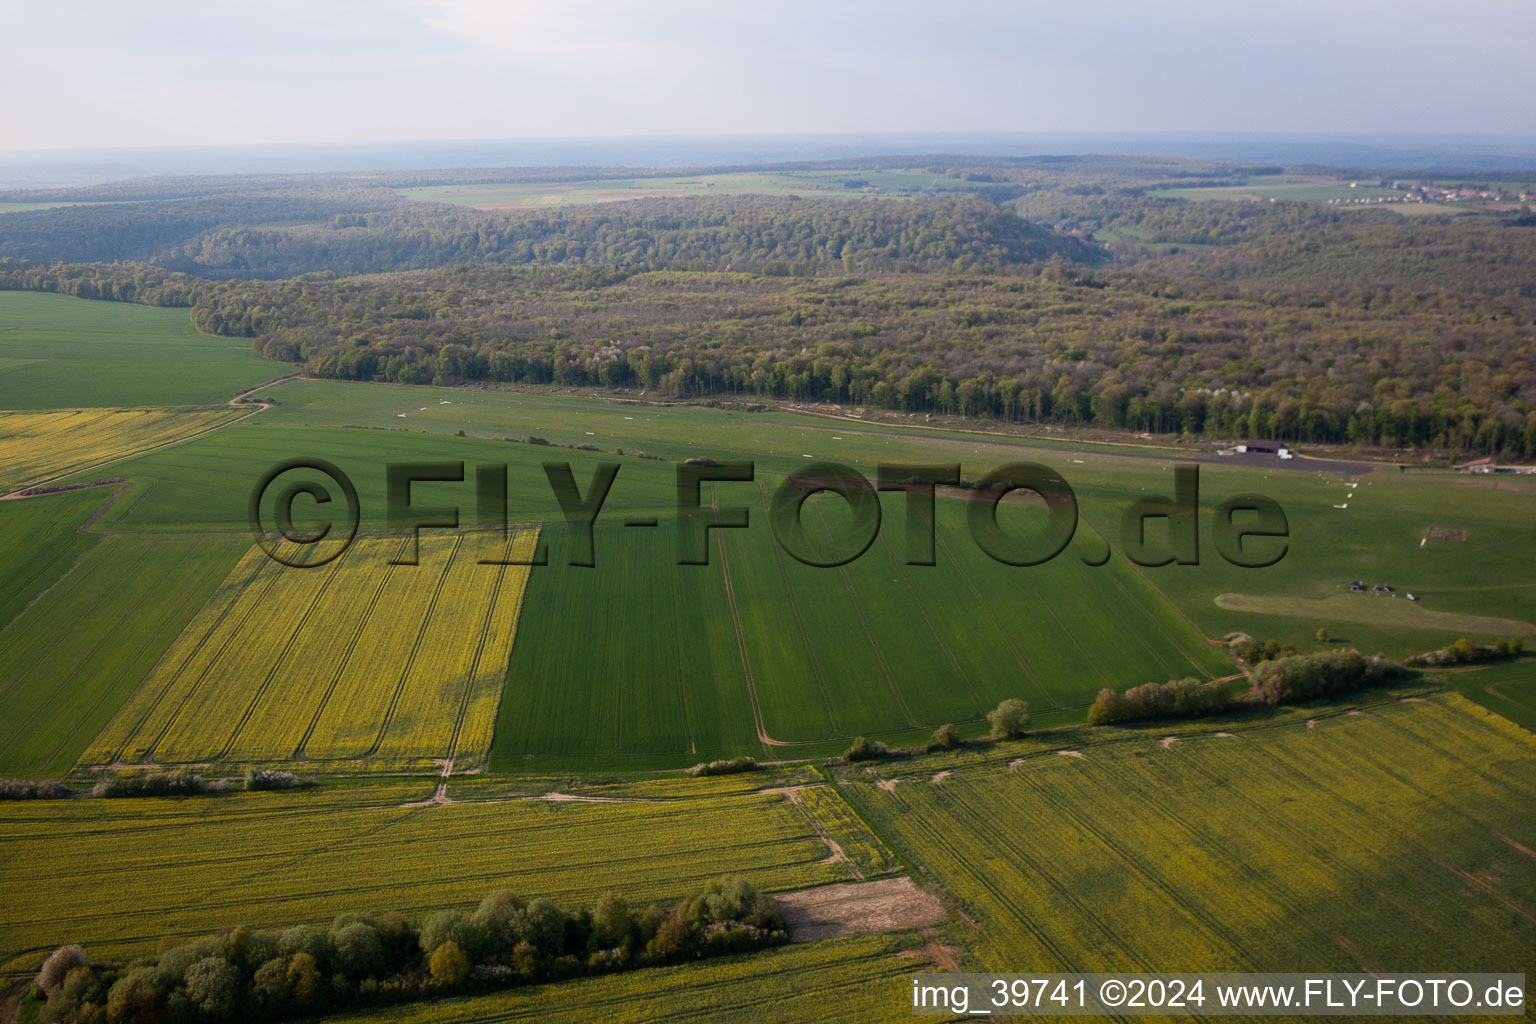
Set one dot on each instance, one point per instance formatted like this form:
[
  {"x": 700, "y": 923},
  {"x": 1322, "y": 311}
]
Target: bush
[
  {"x": 449, "y": 965},
  {"x": 21, "y": 789},
  {"x": 172, "y": 783},
  {"x": 1009, "y": 719},
  {"x": 1463, "y": 651},
  {"x": 864, "y": 749},
  {"x": 1183, "y": 698},
  {"x": 730, "y": 767},
  {"x": 1252, "y": 651},
  {"x": 58, "y": 965},
  {"x": 270, "y": 778},
  {"x": 945, "y": 737}
]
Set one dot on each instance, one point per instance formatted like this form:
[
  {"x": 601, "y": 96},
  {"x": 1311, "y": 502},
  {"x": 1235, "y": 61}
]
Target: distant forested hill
[
  {"x": 977, "y": 292},
  {"x": 276, "y": 235}
]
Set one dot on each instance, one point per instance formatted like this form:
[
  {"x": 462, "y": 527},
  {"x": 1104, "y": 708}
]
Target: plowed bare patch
[{"x": 850, "y": 908}]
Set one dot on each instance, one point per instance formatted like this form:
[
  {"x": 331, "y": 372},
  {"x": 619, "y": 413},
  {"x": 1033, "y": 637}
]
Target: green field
[
  {"x": 1395, "y": 838},
  {"x": 58, "y": 352},
  {"x": 876, "y": 647},
  {"x": 69, "y": 660},
  {"x": 40, "y": 545},
  {"x": 1507, "y": 689},
  {"x": 810, "y": 184}
]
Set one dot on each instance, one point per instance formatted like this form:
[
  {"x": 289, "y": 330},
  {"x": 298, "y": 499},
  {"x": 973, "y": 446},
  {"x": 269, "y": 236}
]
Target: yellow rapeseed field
[
  {"x": 354, "y": 661},
  {"x": 36, "y": 446}
]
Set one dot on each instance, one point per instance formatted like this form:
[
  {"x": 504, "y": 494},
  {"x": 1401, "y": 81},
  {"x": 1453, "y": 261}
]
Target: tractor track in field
[
  {"x": 805, "y": 639},
  {"x": 410, "y": 661},
  {"x": 154, "y": 703},
  {"x": 741, "y": 644},
  {"x": 299, "y": 752},
  {"x": 474, "y": 668},
  {"x": 315, "y": 601}
]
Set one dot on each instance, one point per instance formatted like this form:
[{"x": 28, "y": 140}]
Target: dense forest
[
  {"x": 276, "y": 236},
  {"x": 1208, "y": 319}
]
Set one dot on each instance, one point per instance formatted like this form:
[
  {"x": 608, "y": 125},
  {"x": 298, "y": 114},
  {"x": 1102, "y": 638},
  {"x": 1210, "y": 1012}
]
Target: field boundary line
[
  {"x": 170, "y": 682},
  {"x": 1159, "y": 590},
  {"x": 211, "y": 571},
  {"x": 941, "y": 841},
  {"x": 805, "y": 639}
]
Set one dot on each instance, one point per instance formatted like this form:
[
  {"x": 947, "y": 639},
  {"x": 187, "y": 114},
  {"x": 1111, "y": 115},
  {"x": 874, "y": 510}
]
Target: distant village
[{"x": 1416, "y": 192}]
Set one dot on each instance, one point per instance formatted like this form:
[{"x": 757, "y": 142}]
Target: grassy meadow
[{"x": 58, "y": 352}]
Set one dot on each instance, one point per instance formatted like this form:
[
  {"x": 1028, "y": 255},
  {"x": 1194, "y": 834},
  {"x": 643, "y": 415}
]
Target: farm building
[{"x": 1489, "y": 465}]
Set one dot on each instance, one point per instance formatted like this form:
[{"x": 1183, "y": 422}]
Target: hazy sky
[{"x": 88, "y": 73}]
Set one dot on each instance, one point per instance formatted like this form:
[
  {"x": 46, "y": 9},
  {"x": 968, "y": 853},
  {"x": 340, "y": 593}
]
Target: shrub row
[
  {"x": 1306, "y": 676},
  {"x": 245, "y": 975},
  {"x": 1464, "y": 652},
  {"x": 1184, "y": 698},
  {"x": 169, "y": 783},
  {"x": 21, "y": 789},
  {"x": 733, "y": 766}
]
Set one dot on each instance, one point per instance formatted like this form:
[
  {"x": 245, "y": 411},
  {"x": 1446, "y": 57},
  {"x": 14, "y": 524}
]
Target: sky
[{"x": 110, "y": 73}]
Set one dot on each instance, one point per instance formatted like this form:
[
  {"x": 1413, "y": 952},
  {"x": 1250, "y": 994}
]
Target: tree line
[
  {"x": 366, "y": 960},
  {"x": 1445, "y": 372}
]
